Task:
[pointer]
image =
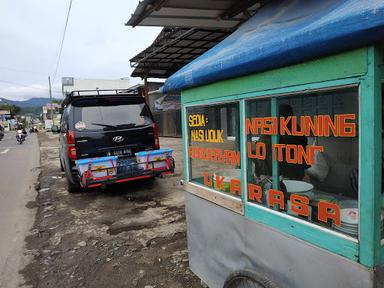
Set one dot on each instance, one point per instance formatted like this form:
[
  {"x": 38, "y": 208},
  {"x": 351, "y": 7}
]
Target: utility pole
[
  {"x": 50, "y": 96},
  {"x": 146, "y": 88}
]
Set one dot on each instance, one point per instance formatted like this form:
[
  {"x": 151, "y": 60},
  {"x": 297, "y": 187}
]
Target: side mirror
[{"x": 55, "y": 129}]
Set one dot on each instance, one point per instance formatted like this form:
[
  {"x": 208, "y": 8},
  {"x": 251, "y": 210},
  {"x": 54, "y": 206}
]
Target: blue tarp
[{"x": 283, "y": 33}]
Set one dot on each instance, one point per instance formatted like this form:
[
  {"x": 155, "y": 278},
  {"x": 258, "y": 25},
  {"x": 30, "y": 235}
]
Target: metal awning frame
[
  {"x": 181, "y": 19},
  {"x": 159, "y": 63}
]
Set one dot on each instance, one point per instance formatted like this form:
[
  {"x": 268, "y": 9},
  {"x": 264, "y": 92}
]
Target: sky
[{"x": 97, "y": 44}]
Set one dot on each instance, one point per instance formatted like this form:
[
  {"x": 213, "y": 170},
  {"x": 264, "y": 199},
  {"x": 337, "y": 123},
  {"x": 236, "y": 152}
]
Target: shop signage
[{"x": 339, "y": 125}]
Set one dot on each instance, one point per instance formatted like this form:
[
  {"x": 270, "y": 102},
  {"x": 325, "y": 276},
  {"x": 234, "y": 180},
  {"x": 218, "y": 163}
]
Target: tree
[
  {"x": 12, "y": 108},
  {"x": 56, "y": 101}
]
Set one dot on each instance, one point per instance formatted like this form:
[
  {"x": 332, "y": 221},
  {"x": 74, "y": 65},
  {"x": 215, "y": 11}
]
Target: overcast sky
[{"x": 97, "y": 44}]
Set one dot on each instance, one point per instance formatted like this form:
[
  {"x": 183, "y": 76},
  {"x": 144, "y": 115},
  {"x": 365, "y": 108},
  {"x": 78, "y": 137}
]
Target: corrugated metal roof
[{"x": 194, "y": 13}]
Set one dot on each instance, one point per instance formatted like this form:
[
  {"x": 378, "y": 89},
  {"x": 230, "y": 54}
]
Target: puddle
[{"x": 31, "y": 205}]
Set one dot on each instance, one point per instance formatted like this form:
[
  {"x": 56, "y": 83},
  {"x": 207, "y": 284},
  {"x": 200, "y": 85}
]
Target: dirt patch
[{"x": 129, "y": 235}]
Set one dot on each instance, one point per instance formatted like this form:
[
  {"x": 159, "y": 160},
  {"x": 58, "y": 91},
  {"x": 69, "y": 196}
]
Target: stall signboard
[
  {"x": 342, "y": 125},
  {"x": 214, "y": 149},
  {"x": 48, "y": 124}
]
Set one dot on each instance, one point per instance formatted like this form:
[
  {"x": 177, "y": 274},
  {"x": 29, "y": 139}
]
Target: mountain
[{"x": 33, "y": 102}]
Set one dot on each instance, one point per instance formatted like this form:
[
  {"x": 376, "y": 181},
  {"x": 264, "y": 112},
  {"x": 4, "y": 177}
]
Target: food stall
[{"x": 283, "y": 149}]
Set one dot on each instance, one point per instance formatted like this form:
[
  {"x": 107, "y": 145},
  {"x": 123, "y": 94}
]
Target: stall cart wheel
[
  {"x": 61, "y": 166},
  {"x": 248, "y": 279}
]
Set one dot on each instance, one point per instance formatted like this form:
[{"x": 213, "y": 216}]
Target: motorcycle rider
[
  {"x": 1, "y": 132},
  {"x": 21, "y": 127},
  {"x": 23, "y": 135}
]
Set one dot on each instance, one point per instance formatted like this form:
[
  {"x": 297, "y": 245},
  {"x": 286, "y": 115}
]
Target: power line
[
  {"x": 31, "y": 87},
  {"x": 22, "y": 71},
  {"x": 62, "y": 42}
]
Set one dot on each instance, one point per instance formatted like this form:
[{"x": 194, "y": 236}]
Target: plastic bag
[{"x": 319, "y": 169}]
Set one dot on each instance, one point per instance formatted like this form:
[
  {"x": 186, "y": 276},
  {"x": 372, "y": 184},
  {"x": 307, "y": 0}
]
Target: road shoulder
[{"x": 129, "y": 235}]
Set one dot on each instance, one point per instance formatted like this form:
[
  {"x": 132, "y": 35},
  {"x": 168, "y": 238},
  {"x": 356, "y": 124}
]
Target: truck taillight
[
  {"x": 71, "y": 137},
  {"x": 71, "y": 145},
  {"x": 156, "y": 136}
]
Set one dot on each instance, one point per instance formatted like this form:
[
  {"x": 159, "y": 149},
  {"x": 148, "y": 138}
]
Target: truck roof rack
[{"x": 97, "y": 92}]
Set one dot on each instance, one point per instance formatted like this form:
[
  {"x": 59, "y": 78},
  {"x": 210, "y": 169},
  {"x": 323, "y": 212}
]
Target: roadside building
[
  {"x": 5, "y": 115},
  {"x": 51, "y": 115},
  {"x": 51, "y": 110},
  {"x": 70, "y": 84}
]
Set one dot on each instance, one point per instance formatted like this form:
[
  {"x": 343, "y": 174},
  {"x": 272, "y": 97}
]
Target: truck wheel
[
  {"x": 73, "y": 187},
  {"x": 248, "y": 279}
]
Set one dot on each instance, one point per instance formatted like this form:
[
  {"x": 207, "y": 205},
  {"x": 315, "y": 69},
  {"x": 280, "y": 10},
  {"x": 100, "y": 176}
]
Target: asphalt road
[{"x": 18, "y": 173}]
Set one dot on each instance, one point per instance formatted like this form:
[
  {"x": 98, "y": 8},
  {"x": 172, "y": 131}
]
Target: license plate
[{"x": 125, "y": 152}]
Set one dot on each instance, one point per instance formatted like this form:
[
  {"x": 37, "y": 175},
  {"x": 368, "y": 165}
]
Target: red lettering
[
  {"x": 252, "y": 126},
  {"x": 276, "y": 197},
  {"x": 347, "y": 129},
  {"x": 291, "y": 154},
  {"x": 191, "y": 152},
  {"x": 327, "y": 210},
  {"x": 310, "y": 126},
  {"x": 236, "y": 158},
  {"x": 329, "y": 125},
  {"x": 302, "y": 154},
  {"x": 279, "y": 148},
  {"x": 219, "y": 182},
  {"x": 275, "y": 126},
  {"x": 295, "y": 125},
  {"x": 260, "y": 151},
  {"x": 201, "y": 153},
  {"x": 209, "y": 153},
  {"x": 218, "y": 155},
  {"x": 268, "y": 126},
  {"x": 284, "y": 125},
  {"x": 312, "y": 152},
  {"x": 235, "y": 187},
  {"x": 255, "y": 193},
  {"x": 207, "y": 180},
  {"x": 299, "y": 205}
]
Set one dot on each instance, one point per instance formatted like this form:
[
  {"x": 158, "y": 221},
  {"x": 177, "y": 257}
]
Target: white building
[{"x": 70, "y": 84}]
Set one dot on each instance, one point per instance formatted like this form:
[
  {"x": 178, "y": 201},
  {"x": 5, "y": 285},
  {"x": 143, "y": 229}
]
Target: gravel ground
[{"x": 131, "y": 235}]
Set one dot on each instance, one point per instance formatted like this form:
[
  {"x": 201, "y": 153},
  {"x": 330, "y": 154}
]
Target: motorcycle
[
  {"x": 33, "y": 129},
  {"x": 20, "y": 136}
]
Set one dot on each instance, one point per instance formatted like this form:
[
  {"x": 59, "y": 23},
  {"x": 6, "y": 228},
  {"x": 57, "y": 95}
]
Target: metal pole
[
  {"x": 146, "y": 88},
  {"x": 50, "y": 96}
]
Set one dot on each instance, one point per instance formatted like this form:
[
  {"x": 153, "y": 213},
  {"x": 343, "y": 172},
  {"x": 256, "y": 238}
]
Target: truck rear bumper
[{"x": 126, "y": 173}]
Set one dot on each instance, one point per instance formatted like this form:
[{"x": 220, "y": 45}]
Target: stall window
[
  {"x": 259, "y": 150},
  {"x": 312, "y": 141},
  {"x": 214, "y": 147}
]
